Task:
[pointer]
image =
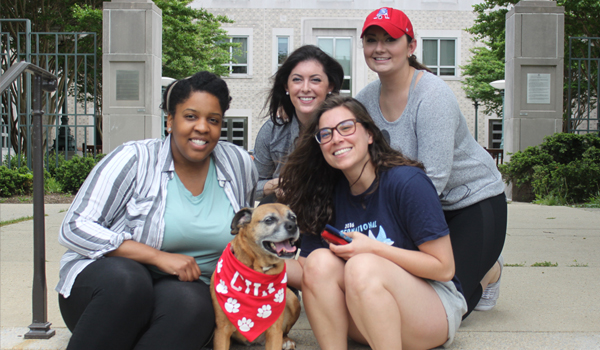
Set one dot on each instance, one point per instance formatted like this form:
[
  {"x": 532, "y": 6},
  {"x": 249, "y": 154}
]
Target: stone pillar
[
  {"x": 534, "y": 75},
  {"x": 131, "y": 66}
]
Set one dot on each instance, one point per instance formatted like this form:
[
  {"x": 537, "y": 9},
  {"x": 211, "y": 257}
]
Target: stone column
[
  {"x": 534, "y": 75},
  {"x": 131, "y": 72}
]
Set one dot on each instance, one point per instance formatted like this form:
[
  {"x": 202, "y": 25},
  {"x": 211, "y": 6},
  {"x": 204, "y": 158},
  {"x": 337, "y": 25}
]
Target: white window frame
[
  {"x": 242, "y": 33},
  {"x": 441, "y": 35},
  {"x": 279, "y": 33}
]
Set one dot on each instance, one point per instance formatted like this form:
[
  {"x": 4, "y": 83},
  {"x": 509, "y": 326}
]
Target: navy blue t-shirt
[{"x": 404, "y": 211}]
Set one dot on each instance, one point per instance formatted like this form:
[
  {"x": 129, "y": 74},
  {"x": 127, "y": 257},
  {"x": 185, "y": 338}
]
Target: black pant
[
  {"x": 477, "y": 233},
  {"x": 116, "y": 304}
]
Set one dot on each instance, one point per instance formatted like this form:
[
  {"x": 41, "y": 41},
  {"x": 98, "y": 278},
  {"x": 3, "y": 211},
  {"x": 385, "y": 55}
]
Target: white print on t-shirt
[{"x": 381, "y": 236}]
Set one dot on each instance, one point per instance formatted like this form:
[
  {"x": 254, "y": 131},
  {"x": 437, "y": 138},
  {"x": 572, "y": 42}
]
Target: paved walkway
[{"x": 539, "y": 307}]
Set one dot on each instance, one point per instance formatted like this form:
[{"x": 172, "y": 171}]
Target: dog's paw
[{"x": 288, "y": 344}]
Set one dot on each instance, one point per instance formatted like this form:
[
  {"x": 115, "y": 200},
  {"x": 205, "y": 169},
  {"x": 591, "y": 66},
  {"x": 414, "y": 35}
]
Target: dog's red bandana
[{"x": 251, "y": 300}]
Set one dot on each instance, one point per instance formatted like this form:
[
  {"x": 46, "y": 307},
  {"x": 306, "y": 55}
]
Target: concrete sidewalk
[{"x": 539, "y": 307}]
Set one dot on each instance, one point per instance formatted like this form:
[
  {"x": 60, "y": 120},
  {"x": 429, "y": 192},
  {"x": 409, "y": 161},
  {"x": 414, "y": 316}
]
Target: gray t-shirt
[
  {"x": 433, "y": 130},
  {"x": 272, "y": 146}
]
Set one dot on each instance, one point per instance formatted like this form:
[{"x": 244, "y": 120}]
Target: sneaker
[{"x": 490, "y": 295}]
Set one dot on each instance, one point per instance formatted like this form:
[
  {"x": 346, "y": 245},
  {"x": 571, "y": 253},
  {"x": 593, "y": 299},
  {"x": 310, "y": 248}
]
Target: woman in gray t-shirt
[
  {"x": 421, "y": 117},
  {"x": 300, "y": 85}
]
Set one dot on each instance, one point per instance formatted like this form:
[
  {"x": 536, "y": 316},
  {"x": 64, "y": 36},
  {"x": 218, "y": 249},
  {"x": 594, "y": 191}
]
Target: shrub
[
  {"x": 53, "y": 162},
  {"x": 565, "y": 168},
  {"x": 73, "y": 172},
  {"x": 15, "y": 181},
  {"x": 14, "y": 161}
]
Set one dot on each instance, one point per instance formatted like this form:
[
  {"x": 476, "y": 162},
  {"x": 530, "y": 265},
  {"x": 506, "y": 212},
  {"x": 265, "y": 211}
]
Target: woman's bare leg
[
  {"x": 392, "y": 308},
  {"x": 324, "y": 299}
]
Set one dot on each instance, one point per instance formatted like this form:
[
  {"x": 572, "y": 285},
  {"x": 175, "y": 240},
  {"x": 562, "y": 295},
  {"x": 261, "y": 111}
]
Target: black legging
[
  {"x": 477, "y": 233},
  {"x": 116, "y": 304}
]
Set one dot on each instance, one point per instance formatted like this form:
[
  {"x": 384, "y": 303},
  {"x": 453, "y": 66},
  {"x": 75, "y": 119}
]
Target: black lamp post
[{"x": 476, "y": 105}]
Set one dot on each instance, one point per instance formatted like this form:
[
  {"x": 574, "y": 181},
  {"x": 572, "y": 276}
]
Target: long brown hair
[{"x": 307, "y": 181}]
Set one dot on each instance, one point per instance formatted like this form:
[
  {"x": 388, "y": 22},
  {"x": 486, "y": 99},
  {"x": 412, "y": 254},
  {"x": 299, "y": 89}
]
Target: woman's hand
[
  {"x": 183, "y": 266},
  {"x": 272, "y": 186},
  {"x": 360, "y": 244}
]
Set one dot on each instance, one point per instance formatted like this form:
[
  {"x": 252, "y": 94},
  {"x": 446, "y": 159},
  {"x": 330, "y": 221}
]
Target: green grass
[
  {"x": 17, "y": 220},
  {"x": 576, "y": 264},
  {"x": 544, "y": 264},
  {"x": 515, "y": 265}
]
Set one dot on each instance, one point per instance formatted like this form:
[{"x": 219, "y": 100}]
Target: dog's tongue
[{"x": 284, "y": 247}]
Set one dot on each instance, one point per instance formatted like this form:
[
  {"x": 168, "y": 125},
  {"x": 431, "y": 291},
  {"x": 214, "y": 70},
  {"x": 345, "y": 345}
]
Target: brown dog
[{"x": 264, "y": 236}]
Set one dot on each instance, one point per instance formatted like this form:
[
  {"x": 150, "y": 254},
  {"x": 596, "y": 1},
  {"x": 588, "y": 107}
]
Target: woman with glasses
[
  {"x": 394, "y": 284},
  {"x": 421, "y": 117}
]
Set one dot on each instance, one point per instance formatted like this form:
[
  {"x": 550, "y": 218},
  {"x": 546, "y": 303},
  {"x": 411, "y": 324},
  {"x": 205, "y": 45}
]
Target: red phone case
[{"x": 331, "y": 238}]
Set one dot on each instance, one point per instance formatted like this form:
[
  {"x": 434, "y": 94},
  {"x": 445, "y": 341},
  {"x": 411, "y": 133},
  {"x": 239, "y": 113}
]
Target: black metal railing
[{"x": 43, "y": 81}]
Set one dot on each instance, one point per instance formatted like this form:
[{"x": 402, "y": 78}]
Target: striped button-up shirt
[{"x": 124, "y": 197}]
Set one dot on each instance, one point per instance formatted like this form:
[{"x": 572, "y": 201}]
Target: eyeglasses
[{"x": 344, "y": 128}]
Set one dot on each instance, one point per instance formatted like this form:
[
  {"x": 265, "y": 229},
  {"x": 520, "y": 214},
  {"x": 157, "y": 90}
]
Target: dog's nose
[{"x": 290, "y": 226}]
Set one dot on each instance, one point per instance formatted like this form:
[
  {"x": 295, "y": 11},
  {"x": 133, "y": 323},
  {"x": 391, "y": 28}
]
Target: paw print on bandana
[
  {"x": 264, "y": 311},
  {"x": 221, "y": 287},
  {"x": 279, "y": 296},
  {"x": 219, "y": 265},
  {"x": 245, "y": 324},
  {"x": 284, "y": 280},
  {"x": 232, "y": 306}
]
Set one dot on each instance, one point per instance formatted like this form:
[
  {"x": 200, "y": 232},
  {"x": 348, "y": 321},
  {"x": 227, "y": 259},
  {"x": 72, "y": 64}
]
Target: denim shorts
[{"x": 454, "y": 304}]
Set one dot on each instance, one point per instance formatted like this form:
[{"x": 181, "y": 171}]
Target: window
[
  {"x": 240, "y": 63},
  {"x": 283, "y": 49},
  {"x": 235, "y": 130},
  {"x": 340, "y": 48},
  {"x": 282, "y": 46},
  {"x": 439, "y": 55},
  {"x": 495, "y": 133}
]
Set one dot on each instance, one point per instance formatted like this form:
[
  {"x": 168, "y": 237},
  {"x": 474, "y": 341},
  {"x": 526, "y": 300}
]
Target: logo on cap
[{"x": 383, "y": 13}]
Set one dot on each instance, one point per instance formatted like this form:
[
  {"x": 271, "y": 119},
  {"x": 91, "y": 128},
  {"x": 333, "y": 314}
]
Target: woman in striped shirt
[{"x": 146, "y": 229}]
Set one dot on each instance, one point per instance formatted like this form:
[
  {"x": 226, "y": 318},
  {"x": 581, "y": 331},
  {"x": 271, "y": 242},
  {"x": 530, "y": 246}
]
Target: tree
[
  {"x": 487, "y": 62},
  {"x": 193, "y": 40}
]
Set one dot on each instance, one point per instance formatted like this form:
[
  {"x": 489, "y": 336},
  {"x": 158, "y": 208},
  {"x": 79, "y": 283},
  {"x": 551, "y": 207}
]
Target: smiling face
[
  {"x": 347, "y": 153},
  {"x": 385, "y": 54},
  {"x": 195, "y": 129},
  {"x": 308, "y": 87}
]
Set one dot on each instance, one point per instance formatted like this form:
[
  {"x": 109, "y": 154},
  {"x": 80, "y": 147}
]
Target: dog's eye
[{"x": 269, "y": 220}]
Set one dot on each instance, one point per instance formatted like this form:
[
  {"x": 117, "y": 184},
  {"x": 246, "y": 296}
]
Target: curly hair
[
  {"x": 307, "y": 181},
  {"x": 277, "y": 96},
  {"x": 180, "y": 90}
]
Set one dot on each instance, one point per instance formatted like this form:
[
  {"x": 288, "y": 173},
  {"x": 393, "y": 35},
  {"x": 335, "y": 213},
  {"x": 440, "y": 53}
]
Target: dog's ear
[{"x": 240, "y": 219}]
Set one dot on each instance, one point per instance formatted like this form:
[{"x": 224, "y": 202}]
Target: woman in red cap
[{"x": 420, "y": 116}]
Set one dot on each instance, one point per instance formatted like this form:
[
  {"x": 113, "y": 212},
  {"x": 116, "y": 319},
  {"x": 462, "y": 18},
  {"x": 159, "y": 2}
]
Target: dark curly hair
[
  {"x": 308, "y": 181},
  {"x": 180, "y": 90},
  {"x": 277, "y": 96}
]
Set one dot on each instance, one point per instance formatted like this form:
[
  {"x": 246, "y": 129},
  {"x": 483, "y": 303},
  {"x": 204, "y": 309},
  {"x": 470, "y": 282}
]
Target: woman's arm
[
  {"x": 183, "y": 266},
  {"x": 101, "y": 203},
  {"x": 437, "y": 119},
  {"x": 434, "y": 260},
  {"x": 264, "y": 162}
]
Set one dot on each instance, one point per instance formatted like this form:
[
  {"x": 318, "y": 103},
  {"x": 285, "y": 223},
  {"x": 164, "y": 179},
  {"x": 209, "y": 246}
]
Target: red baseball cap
[{"x": 394, "y": 22}]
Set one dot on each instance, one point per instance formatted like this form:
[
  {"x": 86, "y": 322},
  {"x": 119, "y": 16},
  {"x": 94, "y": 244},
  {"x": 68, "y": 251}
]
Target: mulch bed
[{"x": 53, "y": 198}]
